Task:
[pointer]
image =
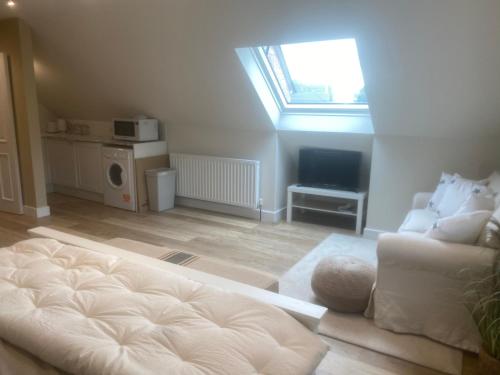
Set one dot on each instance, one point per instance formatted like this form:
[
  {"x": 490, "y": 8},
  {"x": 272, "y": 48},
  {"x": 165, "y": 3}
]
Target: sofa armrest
[
  {"x": 421, "y": 283},
  {"x": 421, "y": 200},
  {"x": 418, "y": 253}
]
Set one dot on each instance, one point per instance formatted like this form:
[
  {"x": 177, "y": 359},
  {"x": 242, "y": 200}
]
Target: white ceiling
[{"x": 431, "y": 66}]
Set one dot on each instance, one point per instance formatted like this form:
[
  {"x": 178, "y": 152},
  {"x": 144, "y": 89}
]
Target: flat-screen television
[{"x": 330, "y": 169}]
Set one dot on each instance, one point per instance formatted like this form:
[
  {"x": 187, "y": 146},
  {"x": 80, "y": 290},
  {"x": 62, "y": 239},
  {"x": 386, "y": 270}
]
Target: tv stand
[
  {"x": 327, "y": 187},
  {"x": 326, "y": 206}
]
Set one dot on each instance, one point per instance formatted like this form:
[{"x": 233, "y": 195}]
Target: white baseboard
[
  {"x": 273, "y": 216},
  {"x": 267, "y": 216},
  {"x": 37, "y": 212},
  {"x": 372, "y": 233}
]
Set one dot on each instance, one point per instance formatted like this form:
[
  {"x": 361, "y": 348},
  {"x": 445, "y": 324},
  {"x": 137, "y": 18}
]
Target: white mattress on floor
[{"x": 92, "y": 313}]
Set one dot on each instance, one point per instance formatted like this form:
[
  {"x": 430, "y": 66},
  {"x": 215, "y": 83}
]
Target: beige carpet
[{"x": 354, "y": 328}]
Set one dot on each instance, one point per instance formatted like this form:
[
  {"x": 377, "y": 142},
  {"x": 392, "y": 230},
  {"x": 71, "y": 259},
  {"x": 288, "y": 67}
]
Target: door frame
[{"x": 13, "y": 204}]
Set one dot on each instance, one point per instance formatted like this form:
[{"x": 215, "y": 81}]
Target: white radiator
[{"x": 222, "y": 180}]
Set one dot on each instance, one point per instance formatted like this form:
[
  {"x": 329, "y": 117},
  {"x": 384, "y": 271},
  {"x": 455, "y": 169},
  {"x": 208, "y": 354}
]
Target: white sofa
[{"x": 421, "y": 281}]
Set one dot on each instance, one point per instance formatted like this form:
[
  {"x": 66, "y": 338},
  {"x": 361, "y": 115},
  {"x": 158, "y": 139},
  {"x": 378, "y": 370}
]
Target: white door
[
  {"x": 10, "y": 183},
  {"x": 61, "y": 155},
  {"x": 89, "y": 166}
]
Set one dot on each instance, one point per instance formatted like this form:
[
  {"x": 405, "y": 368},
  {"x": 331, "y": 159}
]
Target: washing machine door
[{"x": 116, "y": 175}]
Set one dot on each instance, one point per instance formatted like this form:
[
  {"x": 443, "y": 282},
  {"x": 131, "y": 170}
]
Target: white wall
[
  {"x": 286, "y": 172},
  {"x": 402, "y": 166},
  {"x": 231, "y": 143},
  {"x": 291, "y": 142},
  {"x": 430, "y": 68},
  {"x": 45, "y": 117},
  {"x": 277, "y": 152}
]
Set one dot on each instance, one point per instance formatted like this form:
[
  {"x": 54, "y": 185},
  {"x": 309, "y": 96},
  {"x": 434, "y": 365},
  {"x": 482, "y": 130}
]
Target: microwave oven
[{"x": 139, "y": 130}]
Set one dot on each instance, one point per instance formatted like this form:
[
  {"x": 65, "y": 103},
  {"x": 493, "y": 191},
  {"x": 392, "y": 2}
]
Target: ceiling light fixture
[{"x": 11, "y": 3}]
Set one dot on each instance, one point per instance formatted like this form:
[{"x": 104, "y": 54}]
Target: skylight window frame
[{"x": 287, "y": 108}]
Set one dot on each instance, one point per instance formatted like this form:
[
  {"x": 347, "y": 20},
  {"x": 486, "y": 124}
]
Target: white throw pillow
[
  {"x": 418, "y": 220},
  {"x": 438, "y": 194},
  {"x": 456, "y": 193},
  {"x": 477, "y": 202},
  {"x": 494, "y": 185},
  {"x": 463, "y": 228}
]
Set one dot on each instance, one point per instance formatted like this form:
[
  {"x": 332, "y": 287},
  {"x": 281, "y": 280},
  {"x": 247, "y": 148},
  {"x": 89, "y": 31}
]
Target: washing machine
[{"x": 119, "y": 177}]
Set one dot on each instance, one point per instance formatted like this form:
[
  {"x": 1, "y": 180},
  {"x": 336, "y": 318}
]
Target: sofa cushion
[
  {"x": 418, "y": 220},
  {"x": 477, "y": 201},
  {"x": 462, "y": 228},
  {"x": 438, "y": 194},
  {"x": 457, "y": 192}
]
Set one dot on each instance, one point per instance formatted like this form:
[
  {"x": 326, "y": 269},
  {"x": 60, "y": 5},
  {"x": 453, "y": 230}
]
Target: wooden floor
[{"x": 271, "y": 248}]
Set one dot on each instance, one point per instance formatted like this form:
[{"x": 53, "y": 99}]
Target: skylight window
[
  {"x": 315, "y": 75},
  {"x": 313, "y": 86}
]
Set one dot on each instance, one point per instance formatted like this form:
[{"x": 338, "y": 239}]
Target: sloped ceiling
[{"x": 431, "y": 67}]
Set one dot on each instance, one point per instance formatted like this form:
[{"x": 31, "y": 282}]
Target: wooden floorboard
[
  {"x": 273, "y": 248},
  {"x": 267, "y": 247}
]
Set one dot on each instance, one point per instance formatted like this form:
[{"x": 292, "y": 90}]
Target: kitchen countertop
[
  {"x": 141, "y": 149},
  {"x": 90, "y": 138}
]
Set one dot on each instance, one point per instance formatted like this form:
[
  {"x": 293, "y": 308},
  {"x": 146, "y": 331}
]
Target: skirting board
[
  {"x": 267, "y": 216},
  {"x": 37, "y": 212},
  {"x": 372, "y": 234},
  {"x": 273, "y": 216}
]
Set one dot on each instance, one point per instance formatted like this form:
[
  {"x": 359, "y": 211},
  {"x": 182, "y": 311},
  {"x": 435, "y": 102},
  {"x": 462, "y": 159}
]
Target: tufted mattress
[{"x": 90, "y": 313}]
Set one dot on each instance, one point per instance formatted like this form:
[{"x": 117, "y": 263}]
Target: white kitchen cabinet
[
  {"x": 89, "y": 166},
  {"x": 61, "y": 155}
]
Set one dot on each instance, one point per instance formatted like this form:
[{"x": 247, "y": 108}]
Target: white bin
[{"x": 161, "y": 188}]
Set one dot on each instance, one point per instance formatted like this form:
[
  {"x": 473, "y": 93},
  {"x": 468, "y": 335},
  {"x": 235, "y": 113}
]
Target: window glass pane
[{"x": 326, "y": 72}]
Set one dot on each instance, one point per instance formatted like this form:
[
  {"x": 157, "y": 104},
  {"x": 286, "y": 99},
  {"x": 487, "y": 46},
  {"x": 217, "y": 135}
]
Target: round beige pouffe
[{"x": 343, "y": 283}]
